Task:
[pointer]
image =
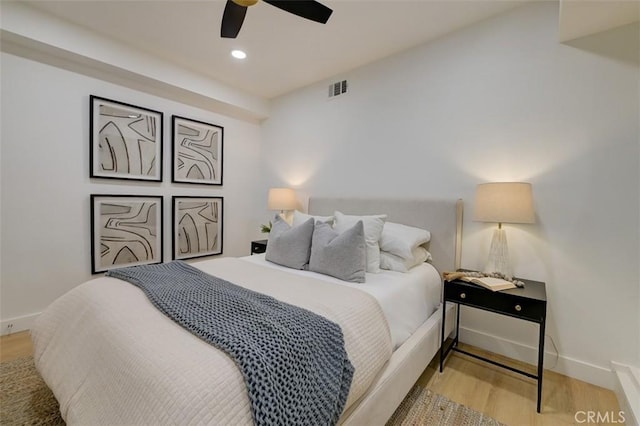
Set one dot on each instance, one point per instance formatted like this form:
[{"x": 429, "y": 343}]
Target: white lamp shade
[
  {"x": 281, "y": 199},
  {"x": 504, "y": 202}
]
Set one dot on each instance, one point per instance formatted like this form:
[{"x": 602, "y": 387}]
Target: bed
[{"x": 110, "y": 357}]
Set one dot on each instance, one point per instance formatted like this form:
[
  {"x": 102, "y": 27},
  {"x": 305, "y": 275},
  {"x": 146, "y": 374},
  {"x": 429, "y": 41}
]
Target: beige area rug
[
  {"x": 26, "y": 400},
  {"x": 423, "y": 407},
  {"x": 24, "y": 397}
]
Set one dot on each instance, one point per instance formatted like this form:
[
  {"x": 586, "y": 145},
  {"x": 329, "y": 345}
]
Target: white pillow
[
  {"x": 395, "y": 263},
  {"x": 401, "y": 239},
  {"x": 299, "y": 218},
  {"x": 373, "y": 225}
]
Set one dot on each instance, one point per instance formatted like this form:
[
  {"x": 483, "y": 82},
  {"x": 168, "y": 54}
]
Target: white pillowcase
[
  {"x": 373, "y": 225},
  {"x": 401, "y": 240},
  {"x": 396, "y": 263},
  {"x": 299, "y": 218}
]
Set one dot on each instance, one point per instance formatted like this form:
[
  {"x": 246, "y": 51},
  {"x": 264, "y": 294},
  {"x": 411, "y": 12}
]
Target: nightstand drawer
[
  {"x": 499, "y": 302},
  {"x": 258, "y": 247}
]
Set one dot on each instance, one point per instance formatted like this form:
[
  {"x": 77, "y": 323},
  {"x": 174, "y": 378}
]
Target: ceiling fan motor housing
[{"x": 245, "y": 3}]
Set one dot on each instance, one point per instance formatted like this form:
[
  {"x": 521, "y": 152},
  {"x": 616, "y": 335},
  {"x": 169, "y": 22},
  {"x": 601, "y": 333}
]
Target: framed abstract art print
[
  {"x": 197, "y": 226},
  {"x": 126, "y": 230},
  {"x": 197, "y": 151},
  {"x": 126, "y": 141}
]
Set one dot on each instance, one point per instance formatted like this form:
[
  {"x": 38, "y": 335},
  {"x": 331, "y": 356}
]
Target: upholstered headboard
[{"x": 443, "y": 218}]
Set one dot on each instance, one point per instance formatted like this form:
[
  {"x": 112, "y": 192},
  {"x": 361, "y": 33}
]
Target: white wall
[
  {"x": 45, "y": 180},
  {"x": 501, "y": 100},
  {"x": 28, "y": 32}
]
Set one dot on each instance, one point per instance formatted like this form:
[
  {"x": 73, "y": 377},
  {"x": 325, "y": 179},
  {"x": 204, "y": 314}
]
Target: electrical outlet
[{"x": 10, "y": 327}]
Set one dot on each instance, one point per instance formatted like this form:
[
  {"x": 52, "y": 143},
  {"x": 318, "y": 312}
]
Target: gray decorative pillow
[
  {"x": 290, "y": 247},
  {"x": 341, "y": 255}
]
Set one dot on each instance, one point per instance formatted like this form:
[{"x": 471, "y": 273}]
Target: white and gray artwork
[
  {"x": 197, "y": 151},
  {"x": 126, "y": 231},
  {"x": 126, "y": 141},
  {"x": 197, "y": 226}
]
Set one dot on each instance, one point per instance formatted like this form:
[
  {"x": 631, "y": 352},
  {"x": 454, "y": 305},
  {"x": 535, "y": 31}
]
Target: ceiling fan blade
[
  {"x": 309, "y": 9},
  {"x": 232, "y": 19}
]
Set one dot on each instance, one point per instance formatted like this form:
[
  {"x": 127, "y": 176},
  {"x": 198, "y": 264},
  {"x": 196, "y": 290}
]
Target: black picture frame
[
  {"x": 126, "y": 230},
  {"x": 126, "y": 141},
  {"x": 197, "y": 226},
  {"x": 197, "y": 151}
]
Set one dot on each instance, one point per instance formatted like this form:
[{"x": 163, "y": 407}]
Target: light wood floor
[
  {"x": 16, "y": 345},
  {"x": 508, "y": 397}
]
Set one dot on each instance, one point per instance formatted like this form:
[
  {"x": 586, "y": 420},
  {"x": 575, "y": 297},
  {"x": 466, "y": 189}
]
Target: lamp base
[
  {"x": 499, "y": 255},
  {"x": 287, "y": 216}
]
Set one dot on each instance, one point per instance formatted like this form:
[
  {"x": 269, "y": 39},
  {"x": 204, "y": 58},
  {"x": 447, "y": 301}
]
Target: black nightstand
[
  {"x": 259, "y": 246},
  {"x": 528, "y": 303}
]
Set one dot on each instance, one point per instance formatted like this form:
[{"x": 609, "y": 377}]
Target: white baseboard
[
  {"x": 571, "y": 367},
  {"x": 14, "y": 325},
  {"x": 628, "y": 391}
]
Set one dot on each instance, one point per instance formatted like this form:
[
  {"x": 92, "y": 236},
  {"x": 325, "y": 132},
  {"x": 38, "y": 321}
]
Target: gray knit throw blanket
[{"x": 294, "y": 363}]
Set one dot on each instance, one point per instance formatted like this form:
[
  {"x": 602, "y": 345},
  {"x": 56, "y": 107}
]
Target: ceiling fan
[{"x": 235, "y": 11}]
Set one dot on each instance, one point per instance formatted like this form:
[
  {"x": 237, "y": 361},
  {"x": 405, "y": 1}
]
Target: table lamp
[
  {"x": 282, "y": 199},
  {"x": 503, "y": 202}
]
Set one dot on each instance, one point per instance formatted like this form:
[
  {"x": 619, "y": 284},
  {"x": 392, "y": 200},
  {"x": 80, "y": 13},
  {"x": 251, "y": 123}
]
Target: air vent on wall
[{"x": 338, "y": 88}]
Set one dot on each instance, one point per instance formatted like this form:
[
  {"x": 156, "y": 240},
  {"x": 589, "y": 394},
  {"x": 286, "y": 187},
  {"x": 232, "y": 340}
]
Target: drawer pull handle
[
  {"x": 518, "y": 308},
  {"x": 463, "y": 295}
]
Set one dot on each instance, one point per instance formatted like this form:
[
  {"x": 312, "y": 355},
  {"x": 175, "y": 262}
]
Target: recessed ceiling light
[{"x": 239, "y": 54}]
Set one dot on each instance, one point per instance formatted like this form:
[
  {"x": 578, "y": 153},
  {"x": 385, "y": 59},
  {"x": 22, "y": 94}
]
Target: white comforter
[
  {"x": 406, "y": 298},
  {"x": 110, "y": 357}
]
